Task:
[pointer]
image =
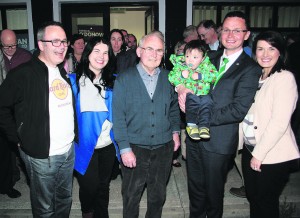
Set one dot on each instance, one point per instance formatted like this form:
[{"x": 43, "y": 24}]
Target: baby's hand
[
  {"x": 195, "y": 76},
  {"x": 185, "y": 73}
]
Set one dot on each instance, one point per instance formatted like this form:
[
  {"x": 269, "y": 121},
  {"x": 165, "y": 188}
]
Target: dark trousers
[
  {"x": 198, "y": 109},
  {"x": 264, "y": 188},
  {"x": 94, "y": 184},
  {"x": 152, "y": 169},
  {"x": 207, "y": 174},
  {"x": 6, "y": 167}
]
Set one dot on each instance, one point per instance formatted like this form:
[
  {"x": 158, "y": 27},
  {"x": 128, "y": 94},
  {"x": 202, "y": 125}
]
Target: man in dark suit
[
  {"x": 233, "y": 93},
  {"x": 207, "y": 31}
]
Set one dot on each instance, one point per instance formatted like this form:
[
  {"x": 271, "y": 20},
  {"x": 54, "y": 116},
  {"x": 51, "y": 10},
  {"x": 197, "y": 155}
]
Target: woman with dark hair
[
  {"x": 76, "y": 47},
  {"x": 270, "y": 150},
  {"x": 97, "y": 149},
  {"x": 117, "y": 41}
]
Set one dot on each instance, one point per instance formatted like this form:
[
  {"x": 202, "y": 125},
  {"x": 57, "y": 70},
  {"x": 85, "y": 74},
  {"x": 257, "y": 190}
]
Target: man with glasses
[
  {"x": 208, "y": 161},
  {"x": 146, "y": 126},
  {"x": 207, "y": 31},
  {"x": 37, "y": 113},
  {"x": 13, "y": 56}
]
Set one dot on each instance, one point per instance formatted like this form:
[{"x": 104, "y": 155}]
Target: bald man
[{"x": 13, "y": 56}]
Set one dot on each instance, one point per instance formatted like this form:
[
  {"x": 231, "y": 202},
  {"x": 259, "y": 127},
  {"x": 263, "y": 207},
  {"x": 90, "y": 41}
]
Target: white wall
[{"x": 133, "y": 22}]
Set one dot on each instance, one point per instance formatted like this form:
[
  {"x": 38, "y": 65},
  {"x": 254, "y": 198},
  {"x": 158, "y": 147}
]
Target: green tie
[{"x": 221, "y": 70}]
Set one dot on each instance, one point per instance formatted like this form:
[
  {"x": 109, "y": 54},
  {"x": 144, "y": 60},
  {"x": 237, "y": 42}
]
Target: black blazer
[{"x": 232, "y": 96}]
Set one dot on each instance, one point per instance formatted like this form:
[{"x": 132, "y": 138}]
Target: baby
[{"x": 195, "y": 72}]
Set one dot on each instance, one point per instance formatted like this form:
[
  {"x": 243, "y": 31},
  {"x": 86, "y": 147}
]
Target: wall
[{"x": 134, "y": 22}]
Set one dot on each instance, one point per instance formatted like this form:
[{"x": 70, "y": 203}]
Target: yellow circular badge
[{"x": 59, "y": 89}]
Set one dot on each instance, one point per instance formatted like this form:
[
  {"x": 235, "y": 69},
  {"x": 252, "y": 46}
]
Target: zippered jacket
[{"x": 24, "y": 107}]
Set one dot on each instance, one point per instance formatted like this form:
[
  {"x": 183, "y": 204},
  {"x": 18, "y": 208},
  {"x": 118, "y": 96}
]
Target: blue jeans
[
  {"x": 51, "y": 182},
  {"x": 198, "y": 109}
]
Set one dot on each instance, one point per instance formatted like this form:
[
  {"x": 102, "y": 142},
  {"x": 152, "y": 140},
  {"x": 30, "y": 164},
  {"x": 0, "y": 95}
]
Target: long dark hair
[
  {"x": 276, "y": 40},
  {"x": 107, "y": 77}
]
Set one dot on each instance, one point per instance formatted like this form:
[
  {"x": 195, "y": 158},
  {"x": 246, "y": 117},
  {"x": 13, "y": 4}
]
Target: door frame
[{"x": 114, "y": 3}]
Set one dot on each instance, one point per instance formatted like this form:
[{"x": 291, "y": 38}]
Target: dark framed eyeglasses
[
  {"x": 6, "y": 47},
  {"x": 57, "y": 43},
  {"x": 234, "y": 32}
]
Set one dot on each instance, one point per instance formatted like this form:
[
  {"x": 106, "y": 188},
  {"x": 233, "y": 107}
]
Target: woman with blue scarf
[{"x": 95, "y": 153}]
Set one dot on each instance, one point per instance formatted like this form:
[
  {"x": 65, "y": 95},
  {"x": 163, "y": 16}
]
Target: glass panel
[
  {"x": 88, "y": 25},
  {"x": 226, "y": 9},
  {"x": 289, "y": 17},
  {"x": 261, "y": 16},
  {"x": 16, "y": 19},
  {"x": 204, "y": 13},
  {"x": 1, "y": 28}
]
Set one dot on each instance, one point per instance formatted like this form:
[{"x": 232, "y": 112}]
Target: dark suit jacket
[
  {"x": 127, "y": 59},
  {"x": 232, "y": 96}
]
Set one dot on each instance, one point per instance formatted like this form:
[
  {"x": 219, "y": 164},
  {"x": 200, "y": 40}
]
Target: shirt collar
[
  {"x": 144, "y": 73},
  {"x": 214, "y": 46}
]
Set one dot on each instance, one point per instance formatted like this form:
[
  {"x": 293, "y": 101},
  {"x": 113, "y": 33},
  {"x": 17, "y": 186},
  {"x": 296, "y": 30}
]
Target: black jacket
[{"x": 24, "y": 107}]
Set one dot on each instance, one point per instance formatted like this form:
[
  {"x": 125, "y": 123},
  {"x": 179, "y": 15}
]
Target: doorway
[{"x": 97, "y": 19}]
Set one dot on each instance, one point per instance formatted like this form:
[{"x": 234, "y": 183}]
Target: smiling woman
[
  {"x": 270, "y": 148},
  {"x": 96, "y": 150}
]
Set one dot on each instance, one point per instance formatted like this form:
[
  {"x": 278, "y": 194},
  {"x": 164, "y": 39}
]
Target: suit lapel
[{"x": 234, "y": 67}]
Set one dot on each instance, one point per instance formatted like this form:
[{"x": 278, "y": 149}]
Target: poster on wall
[
  {"x": 23, "y": 40},
  {"x": 89, "y": 31}
]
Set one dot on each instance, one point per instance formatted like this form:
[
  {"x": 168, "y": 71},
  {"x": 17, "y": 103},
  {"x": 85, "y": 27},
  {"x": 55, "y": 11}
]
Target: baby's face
[{"x": 193, "y": 58}]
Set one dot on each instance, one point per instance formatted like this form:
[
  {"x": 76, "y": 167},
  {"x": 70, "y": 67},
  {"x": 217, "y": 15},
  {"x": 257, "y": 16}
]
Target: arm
[
  {"x": 175, "y": 119},
  {"x": 179, "y": 71},
  {"x": 9, "y": 97},
  {"x": 119, "y": 122}
]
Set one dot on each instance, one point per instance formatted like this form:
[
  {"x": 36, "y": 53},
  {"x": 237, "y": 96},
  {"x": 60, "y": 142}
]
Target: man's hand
[
  {"x": 182, "y": 91},
  {"x": 128, "y": 159},
  {"x": 176, "y": 140}
]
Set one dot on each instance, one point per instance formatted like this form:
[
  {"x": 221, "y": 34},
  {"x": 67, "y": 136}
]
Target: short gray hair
[{"x": 156, "y": 33}]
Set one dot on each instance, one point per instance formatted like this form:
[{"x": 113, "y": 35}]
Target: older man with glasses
[
  {"x": 207, "y": 32},
  {"x": 146, "y": 126},
  {"x": 13, "y": 56}
]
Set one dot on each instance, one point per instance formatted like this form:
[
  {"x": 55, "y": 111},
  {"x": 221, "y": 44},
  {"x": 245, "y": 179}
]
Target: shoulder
[
  {"x": 22, "y": 51},
  {"x": 284, "y": 76},
  {"x": 248, "y": 64},
  {"x": 129, "y": 73}
]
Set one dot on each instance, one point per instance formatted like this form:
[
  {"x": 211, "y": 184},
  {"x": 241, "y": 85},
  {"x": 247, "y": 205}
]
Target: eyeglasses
[
  {"x": 57, "y": 43},
  {"x": 151, "y": 51},
  {"x": 234, "y": 32},
  {"x": 203, "y": 35},
  {"x": 6, "y": 47}
]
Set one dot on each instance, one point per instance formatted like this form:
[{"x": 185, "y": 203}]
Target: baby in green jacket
[{"x": 194, "y": 71}]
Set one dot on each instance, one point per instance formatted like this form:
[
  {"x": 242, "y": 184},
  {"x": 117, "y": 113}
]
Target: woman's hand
[{"x": 255, "y": 164}]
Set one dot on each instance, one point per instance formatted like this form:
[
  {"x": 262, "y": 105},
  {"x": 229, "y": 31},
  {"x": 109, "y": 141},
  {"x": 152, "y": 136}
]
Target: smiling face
[
  {"x": 148, "y": 53},
  {"x": 51, "y": 55},
  {"x": 266, "y": 55},
  {"x": 116, "y": 42},
  {"x": 193, "y": 58},
  {"x": 98, "y": 58},
  {"x": 233, "y": 42}
]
